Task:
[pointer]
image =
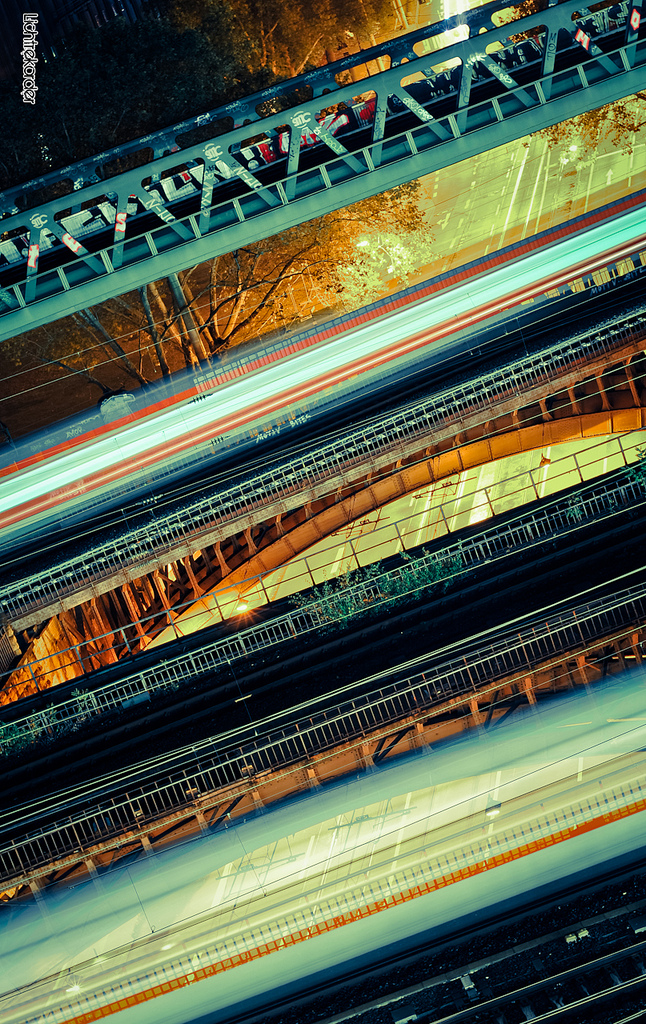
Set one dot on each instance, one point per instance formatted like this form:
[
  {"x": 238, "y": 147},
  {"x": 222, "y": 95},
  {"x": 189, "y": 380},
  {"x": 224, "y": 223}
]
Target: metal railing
[
  {"x": 596, "y": 501},
  {"x": 311, "y": 472},
  {"x": 370, "y": 881},
  {"x": 142, "y": 795}
]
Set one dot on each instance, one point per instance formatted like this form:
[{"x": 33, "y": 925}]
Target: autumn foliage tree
[
  {"x": 620, "y": 123},
  {"x": 285, "y": 38},
  {"x": 340, "y": 261}
]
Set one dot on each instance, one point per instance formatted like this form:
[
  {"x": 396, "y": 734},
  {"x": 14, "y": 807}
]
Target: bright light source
[
  {"x": 362, "y": 244},
  {"x": 242, "y": 606},
  {"x": 73, "y": 988},
  {"x": 169, "y": 945},
  {"x": 391, "y": 269},
  {"x": 573, "y": 149},
  {"x": 493, "y": 807}
]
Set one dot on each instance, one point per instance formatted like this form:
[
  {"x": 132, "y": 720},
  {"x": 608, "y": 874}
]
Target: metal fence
[
  {"x": 314, "y": 472},
  {"x": 143, "y": 795},
  {"x": 364, "y": 591}
]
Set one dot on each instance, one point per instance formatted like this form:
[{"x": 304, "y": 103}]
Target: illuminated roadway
[{"x": 313, "y": 864}]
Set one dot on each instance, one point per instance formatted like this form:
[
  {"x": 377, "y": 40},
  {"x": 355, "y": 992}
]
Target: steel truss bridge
[{"x": 484, "y": 107}]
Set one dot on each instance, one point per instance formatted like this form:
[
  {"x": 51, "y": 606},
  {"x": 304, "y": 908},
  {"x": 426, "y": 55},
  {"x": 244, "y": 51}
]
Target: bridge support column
[
  {"x": 202, "y": 822},
  {"x": 257, "y": 800},
  {"x": 605, "y": 404},
  {"x": 620, "y": 655},
  {"x": 582, "y": 669},
  {"x": 417, "y": 740},
  {"x": 91, "y": 868},
  {"x": 224, "y": 568},
  {"x": 631, "y": 383},
  {"x": 37, "y": 885},
  {"x": 528, "y": 689},
  {"x": 547, "y": 415},
  {"x": 636, "y": 648},
  {"x": 147, "y": 846},
  {"x": 475, "y": 712},
  {"x": 576, "y": 408},
  {"x": 312, "y": 776},
  {"x": 365, "y": 757}
]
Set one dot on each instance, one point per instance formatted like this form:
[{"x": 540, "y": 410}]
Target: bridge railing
[
  {"x": 313, "y": 473},
  {"x": 145, "y": 794}
]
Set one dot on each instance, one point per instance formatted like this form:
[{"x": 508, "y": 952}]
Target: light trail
[
  {"x": 409, "y": 849},
  {"x": 95, "y": 468}
]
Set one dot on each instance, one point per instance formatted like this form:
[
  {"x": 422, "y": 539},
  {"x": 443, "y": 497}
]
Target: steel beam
[{"x": 262, "y": 208}]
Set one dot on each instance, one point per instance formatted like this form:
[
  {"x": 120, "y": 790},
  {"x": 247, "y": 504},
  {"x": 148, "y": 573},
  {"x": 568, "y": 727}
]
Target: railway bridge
[
  {"x": 113, "y": 599},
  {"x": 97, "y": 608},
  {"x": 500, "y": 89}
]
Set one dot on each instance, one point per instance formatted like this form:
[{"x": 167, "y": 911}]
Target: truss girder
[{"x": 482, "y": 104}]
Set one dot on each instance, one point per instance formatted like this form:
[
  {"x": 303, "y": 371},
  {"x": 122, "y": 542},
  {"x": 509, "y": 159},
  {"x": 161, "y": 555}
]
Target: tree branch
[{"x": 89, "y": 316}]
